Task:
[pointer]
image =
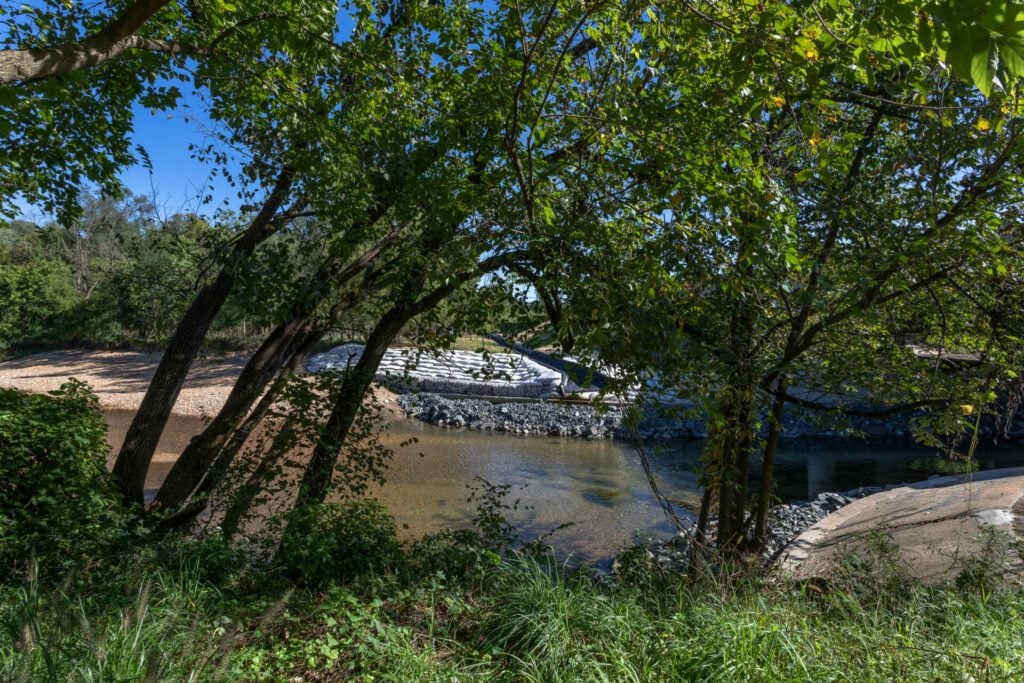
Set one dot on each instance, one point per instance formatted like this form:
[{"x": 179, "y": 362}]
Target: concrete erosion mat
[
  {"x": 451, "y": 372},
  {"x": 936, "y": 524}
]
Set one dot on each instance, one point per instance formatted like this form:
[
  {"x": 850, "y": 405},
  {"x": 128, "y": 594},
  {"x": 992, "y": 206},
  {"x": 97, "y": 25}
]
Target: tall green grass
[
  {"x": 157, "y": 631},
  {"x": 549, "y": 628},
  {"x": 525, "y": 619}
]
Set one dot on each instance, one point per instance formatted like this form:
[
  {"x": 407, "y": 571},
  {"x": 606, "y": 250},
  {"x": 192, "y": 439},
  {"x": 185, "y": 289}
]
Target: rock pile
[
  {"x": 789, "y": 520},
  {"x": 549, "y": 419}
]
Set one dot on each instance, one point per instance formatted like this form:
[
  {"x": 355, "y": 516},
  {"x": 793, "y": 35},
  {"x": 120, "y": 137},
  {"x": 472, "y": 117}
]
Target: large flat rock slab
[{"x": 936, "y": 524}]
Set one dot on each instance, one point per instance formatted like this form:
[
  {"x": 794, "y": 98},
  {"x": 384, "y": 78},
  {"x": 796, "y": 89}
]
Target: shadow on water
[{"x": 599, "y": 486}]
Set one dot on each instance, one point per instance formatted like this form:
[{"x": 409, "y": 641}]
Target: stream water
[{"x": 599, "y": 486}]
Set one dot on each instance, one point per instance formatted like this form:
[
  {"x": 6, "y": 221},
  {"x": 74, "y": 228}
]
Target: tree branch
[
  {"x": 34, "y": 64},
  {"x": 856, "y": 412}
]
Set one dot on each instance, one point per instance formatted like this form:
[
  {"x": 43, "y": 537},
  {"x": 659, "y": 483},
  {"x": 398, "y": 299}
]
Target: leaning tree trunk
[
  {"x": 218, "y": 469},
  {"x": 289, "y": 340},
  {"x": 33, "y": 64},
  {"x": 148, "y": 424},
  {"x": 194, "y": 462},
  {"x": 241, "y": 501},
  {"x": 316, "y": 480}
]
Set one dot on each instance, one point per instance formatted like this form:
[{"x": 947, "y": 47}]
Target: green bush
[
  {"x": 57, "y": 500},
  {"x": 338, "y": 542},
  {"x": 35, "y": 296}
]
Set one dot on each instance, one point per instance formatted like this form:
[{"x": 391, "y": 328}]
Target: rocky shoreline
[
  {"x": 537, "y": 418},
  {"x": 787, "y": 522},
  {"x": 554, "y": 418}
]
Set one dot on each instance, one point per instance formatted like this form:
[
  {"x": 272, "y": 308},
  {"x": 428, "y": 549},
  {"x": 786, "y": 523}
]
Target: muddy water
[{"x": 599, "y": 486}]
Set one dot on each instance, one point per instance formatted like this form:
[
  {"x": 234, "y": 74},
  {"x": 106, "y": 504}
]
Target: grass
[
  {"x": 477, "y": 344},
  {"x": 157, "y": 631},
  {"x": 520, "y": 620}
]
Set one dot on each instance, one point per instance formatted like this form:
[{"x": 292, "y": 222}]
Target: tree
[
  {"x": 72, "y": 73},
  {"x": 119, "y": 34},
  {"x": 35, "y": 295},
  {"x": 324, "y": 105},
  {"x": 501, "y": 199},
  {"x": 445, "y": 238},
  {"x": 290, "y": 126},
  {"x": 791, "y": 183}
]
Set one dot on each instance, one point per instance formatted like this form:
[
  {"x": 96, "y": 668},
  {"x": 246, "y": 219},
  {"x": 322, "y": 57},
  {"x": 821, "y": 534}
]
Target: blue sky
[{"x": 176, "y": 182}]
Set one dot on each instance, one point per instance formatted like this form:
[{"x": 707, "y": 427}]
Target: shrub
[
  {"x": 57, "y": 500},
  {"x": 35, "y": 296},
  {"x": 338, "y": 542}
]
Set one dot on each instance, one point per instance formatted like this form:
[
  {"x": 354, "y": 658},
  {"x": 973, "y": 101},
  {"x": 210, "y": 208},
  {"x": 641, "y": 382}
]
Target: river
[{"x": 597, "y": 485}]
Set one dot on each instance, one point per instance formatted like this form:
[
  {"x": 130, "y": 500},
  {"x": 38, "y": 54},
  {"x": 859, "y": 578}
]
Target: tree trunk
[
  {"x": 316, "y": 480},
  {"x": 289, "y": 340},
  {"x": 194, "y": 462},
  {"x": 768, "y": 467},
  {"x": 553, "y": 308},
  {"x": 34, "y": 64},
  {"x": 704, "y": 516},
  {"x": 242, "y": 500},
  {"x": 148, "y": 424},
  {"x": 744, "y": 449},
  {"x": 226, "y": 456},
  {"x": 735, "y": 459},
  {"x": 737, "y": 407}
]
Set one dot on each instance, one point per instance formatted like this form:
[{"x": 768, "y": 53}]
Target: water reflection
[{"x": 599, "y": 486}]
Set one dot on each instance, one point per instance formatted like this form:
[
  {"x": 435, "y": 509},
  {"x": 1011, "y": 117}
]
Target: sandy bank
[{"x": 120, "y": 378}]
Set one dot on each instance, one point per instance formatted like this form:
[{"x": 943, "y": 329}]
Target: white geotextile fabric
[{"x": 450, "y": 372}]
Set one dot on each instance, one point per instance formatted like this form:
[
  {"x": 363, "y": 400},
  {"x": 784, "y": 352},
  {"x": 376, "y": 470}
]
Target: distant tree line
[{"x": 117, "y": 275}]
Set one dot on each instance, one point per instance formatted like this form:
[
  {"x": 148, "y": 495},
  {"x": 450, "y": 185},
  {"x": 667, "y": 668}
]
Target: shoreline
[{"x": 120, "y": 379}]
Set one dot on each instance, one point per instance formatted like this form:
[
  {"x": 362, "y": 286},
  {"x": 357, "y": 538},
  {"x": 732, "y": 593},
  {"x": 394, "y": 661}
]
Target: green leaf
[
  {"x": 983, "y": 69},
  {"x": 959, "y": 55},
  {"x": 793, "y": 259}
]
